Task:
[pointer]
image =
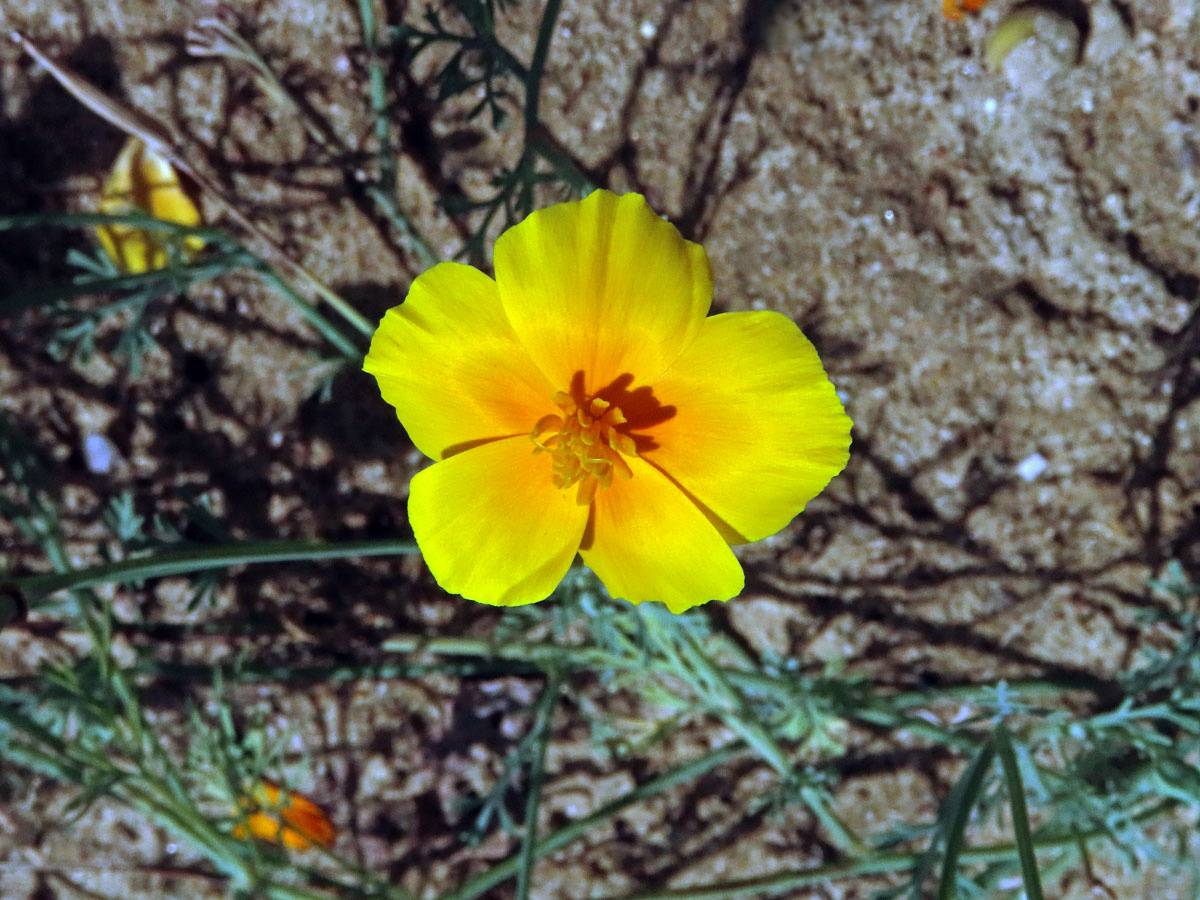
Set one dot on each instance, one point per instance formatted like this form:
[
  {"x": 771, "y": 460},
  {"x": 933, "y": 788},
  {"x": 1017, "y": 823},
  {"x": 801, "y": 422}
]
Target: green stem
[
  {"x": 957, "y": 813},
  {"x": 734, "y": 712},
  {"x": 35, "y": 588},
  {"x": 537, "y": 67},
  {"x": 841, "y": 834},
  {"x": 541, "y": 655},
  {"x": 986, "y": 693},
  {"x": 232, "y": 255},
  {"x": 485, "y": 881},
  {"x": 313, "y": 316},
  {"x": 876, "y": 865},
  {"x": 335, "y": 300},
  {"x": 566, "y": 167},
  {"x": 140, "y": 284},
  {"x": 1022, "y": 834},
  {"x": 537, "y": 775},
  {"x": 383, "y": 194},
  {"x": 391, "y": 210},
  {"x": 694, "y": 664},
  {"x": 887, "y": 714},
  {"x": 25, "y": 221},
  {"x": 249, "y": 673},
  {"x": 378, "y": 88}
]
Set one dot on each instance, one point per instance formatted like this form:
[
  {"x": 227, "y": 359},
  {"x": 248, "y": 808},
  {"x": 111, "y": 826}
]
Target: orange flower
[
  {"x": 953, "y": 9},
  {"x": 582, "y": 403},
  {"x": 141, "y": 179},
  {"x": 291, "y": 820}
]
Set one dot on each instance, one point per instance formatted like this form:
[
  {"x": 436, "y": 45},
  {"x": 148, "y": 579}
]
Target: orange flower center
[{"x": 586, "y": 444}]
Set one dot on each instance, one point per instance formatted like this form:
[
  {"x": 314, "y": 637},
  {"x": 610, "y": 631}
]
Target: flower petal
[
  {"x": 603, "y": 286},
  {"x": 307, "y": 823},
  {"x": 491, "y": 525},
  {"x": 141, "y": 178},
  {"x": 758, "y": 429},
  {"x": 303, "y": 822},
  {"x": 449, "y": 363},
  {"x": 648, "y": 541}
]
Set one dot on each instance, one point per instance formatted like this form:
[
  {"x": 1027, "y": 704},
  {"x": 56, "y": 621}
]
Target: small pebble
[
  {"x": 1032, "y": 466},
  {"x": 98, "y": 454}
]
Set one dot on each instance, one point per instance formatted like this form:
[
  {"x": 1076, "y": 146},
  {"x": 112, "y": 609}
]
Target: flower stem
[
  {"x": 1020, "y": 813},
  {"x": 485, "y": 881},
  {"x": 36, "y": 588},
  {"x": 367, "y": 15},
  {"x": 537, "y": 775},
  {"x": 313, "y": 316},
  {"x": 878, "y": 864},
  {"x": 537, "y": 67}
]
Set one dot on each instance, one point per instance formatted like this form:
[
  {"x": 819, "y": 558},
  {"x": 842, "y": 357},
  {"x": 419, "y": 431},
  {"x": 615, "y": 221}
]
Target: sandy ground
[{"x": 997, "y": 266}]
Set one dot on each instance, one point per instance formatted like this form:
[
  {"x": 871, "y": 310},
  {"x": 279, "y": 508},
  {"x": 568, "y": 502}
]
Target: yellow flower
[
  {"x": 582, "y": 403},
  {"x": 142, "y": 179},
  {"x": 291, "y": 820}
]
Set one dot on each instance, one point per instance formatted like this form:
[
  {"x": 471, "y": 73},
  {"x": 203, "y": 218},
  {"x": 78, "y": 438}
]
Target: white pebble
[
  {"x": 1032, "y": 466},
  {"x": 98, "y": 454}
]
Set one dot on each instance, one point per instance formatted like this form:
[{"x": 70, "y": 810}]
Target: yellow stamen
[{"x": 585, "y": 444}]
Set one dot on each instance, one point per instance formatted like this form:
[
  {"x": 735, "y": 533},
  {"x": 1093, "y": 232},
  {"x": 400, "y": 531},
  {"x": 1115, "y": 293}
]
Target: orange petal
[
  {"x": 293, "y": 839},
  {"x": 291, "y": 820},
  {"x": 307, "y": 822},
  {"x": 603, "y": 286},
  {"x": 648, "y": 541},
  {"x": 491, "y": 525},
  {"x": 449, "y": 363},
  {"x": 758, "y": 429}
]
